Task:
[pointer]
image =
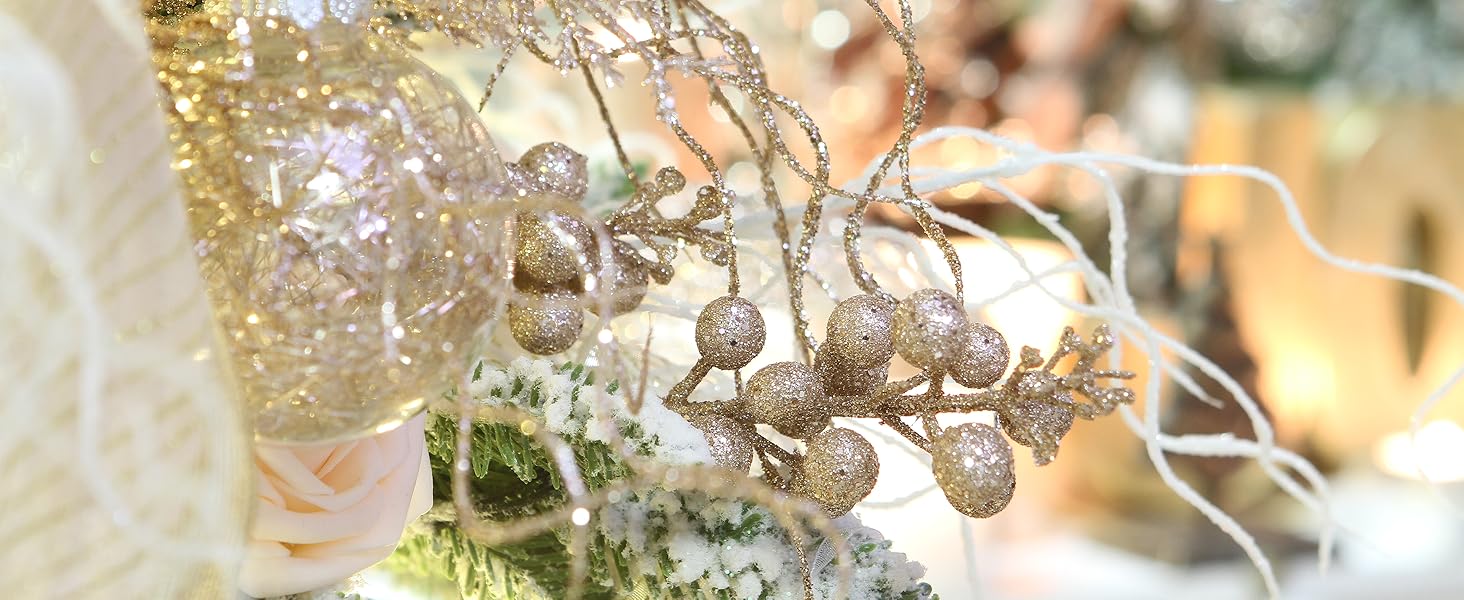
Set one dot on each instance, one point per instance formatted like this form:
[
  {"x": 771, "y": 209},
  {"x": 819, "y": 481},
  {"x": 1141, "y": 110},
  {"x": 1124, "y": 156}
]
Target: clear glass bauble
[{"x": 339, "y": 192}]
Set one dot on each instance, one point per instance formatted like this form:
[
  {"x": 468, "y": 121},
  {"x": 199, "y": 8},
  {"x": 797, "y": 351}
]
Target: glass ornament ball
[{"x": 337, "y": 190}]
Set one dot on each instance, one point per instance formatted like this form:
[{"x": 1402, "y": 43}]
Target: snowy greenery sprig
[{"x": 657, "y": 543}]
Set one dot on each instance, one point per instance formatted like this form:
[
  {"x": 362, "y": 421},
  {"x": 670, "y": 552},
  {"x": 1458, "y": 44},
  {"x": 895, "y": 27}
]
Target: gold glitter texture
[
  {"x": 547, "y": 324},
  {"x": 929, "y": 328},
  {"x": 1037, "y": 425},
  {"x": 730, "y": 441},
  {"x": 334, "y": 188},
  {"x": 790, "y": 397},
  {"x": 859, "y": 331},
  {"x": 973, "y": 466},
  {"x": 640, "y": 217},
  {"x": 841, "y": 379},
  {"x": 730, "y": 332},
  {"x": 627, "y": 282},
  {"x": 983, "y": 356},
  {"x": 838, "y": 470},
  {"x": 554, "y": 167},
  {"x": 551, "y": 246}
]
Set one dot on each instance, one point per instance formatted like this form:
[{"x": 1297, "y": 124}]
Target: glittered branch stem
[
  {"x": 676, "y": 399},
  {"x": 769, "y": 448},
  {"x": 893, "y": 421},
  {"x": 918, "y": 404}
]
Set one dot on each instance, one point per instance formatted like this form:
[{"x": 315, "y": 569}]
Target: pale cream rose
[{"x": 325, "y": 512}]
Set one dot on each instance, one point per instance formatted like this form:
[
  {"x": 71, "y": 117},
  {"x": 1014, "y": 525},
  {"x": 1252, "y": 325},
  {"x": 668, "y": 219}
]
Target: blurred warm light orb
[{"x": 1438, "y": 452}]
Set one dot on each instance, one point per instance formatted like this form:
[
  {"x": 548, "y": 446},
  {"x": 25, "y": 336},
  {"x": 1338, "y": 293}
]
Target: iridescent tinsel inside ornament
[{"x": 337, "y": 190}]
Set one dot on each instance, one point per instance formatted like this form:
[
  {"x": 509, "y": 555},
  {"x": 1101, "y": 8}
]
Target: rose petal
[
  {"x": 422, "y": 493},
  {"x": 293, "y": 475},
  {"x": 367, "y": 464},
  {"x": 325, "y": 513},
  {"x": 337, "y": 454},
  {"x": 290, "y": 527},
  {"x": 331, "y": 501},
  {"x": 396, "y": 492},
  {"x": 266, "y": 490},
  {"x": 279, "y": 576}
]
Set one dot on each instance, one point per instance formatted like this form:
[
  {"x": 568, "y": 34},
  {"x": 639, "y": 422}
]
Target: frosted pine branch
[{"x": 658, "y": 543}]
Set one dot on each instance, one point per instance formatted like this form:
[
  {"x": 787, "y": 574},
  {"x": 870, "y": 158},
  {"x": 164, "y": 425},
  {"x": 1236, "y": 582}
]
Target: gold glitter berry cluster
[
  {"x": 560, "y": 267},
  {"x": 972, "y": 462}
]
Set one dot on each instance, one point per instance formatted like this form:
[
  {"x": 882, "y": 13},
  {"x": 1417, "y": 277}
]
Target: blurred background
[{"x": 1358, "y": 105}]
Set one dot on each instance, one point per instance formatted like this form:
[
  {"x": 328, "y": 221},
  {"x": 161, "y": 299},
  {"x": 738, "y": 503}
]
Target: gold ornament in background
[
  {"x": 555, "y": 253},
  {"x": 337, "y": 189},
  {"x": 553, "y": 250},
  {"x": 729, "y": 441},
  {"x": 626, "y": 285},
  {"x": 552, "y": 167}
]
